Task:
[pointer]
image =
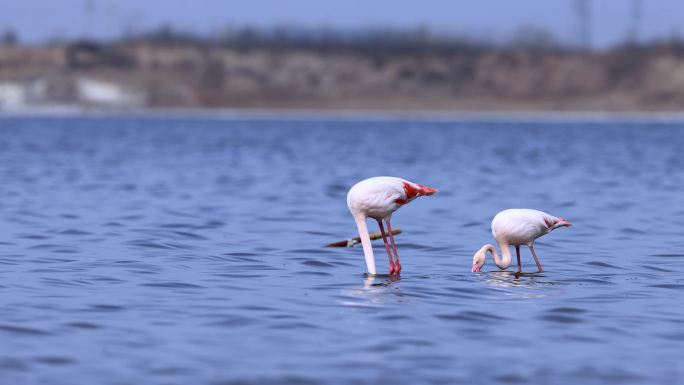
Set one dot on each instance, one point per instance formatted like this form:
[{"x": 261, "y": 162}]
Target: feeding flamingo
[
  {"x": 378, "y": 198},
  {"x": 516, "y": 227}
]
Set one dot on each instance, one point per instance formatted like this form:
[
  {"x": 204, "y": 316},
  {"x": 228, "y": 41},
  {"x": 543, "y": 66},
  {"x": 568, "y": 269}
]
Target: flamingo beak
[
  {"x": 476, "y": 268},
  {"x": 425, "y": 190}
]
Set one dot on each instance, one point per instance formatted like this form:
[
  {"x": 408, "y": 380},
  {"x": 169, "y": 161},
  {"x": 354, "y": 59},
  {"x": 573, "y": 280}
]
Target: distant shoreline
[
  {"x": 351, "y": 114},
  {"x": 141, "y": 75}
]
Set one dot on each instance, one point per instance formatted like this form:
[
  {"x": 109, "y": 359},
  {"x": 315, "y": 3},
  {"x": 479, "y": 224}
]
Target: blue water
[{"x": 152, "y": 250}]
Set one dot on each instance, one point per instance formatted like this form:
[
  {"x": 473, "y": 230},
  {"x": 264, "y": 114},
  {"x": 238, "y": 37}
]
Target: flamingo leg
[
  {"x": 535, "y": 258},
  {"x": 387, "y": 248},
  {"x": 397, "y": 265},
  {"x": 517, "y": 253}
]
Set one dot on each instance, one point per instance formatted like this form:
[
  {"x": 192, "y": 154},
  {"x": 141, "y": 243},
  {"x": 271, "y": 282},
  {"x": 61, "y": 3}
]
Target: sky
[{"x": 42, "y": 20}]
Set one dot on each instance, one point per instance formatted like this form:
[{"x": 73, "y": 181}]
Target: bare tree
[
  {"x": 9, "y": 38},
  {"x": 534, "y": 38}
]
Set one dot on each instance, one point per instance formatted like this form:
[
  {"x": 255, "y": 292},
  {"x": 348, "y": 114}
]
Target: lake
[{"x": 187, "y": 249}]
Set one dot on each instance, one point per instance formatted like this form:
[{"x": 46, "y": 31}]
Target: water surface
[{"x": 188, "y": 250}]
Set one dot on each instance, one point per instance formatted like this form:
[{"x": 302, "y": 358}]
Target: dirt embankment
[{"x": 139, "y": 74}]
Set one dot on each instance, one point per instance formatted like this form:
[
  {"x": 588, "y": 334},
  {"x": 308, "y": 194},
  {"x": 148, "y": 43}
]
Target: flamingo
[
  {"x": 516, "y": 227},
  {"x": 378, "y": 198}
]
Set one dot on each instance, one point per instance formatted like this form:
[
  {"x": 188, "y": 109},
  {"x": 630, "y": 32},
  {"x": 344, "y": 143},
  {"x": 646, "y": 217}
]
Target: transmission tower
[
  {"x": 635, "y": 22},
  {"x": 583, "y": 13},
  {"x": 88, "y": 13}
]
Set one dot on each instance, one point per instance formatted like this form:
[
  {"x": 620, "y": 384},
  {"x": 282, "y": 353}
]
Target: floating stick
[{"x": 355, "y": 240}]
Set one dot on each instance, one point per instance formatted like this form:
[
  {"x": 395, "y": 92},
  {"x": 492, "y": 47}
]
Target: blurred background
[{"x": 616, "y": 55}]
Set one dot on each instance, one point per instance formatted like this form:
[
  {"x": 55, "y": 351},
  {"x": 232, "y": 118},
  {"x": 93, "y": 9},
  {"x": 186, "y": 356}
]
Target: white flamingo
[
  {"x": 378, "y": 198},
  {"x": 515, "y": 227}
]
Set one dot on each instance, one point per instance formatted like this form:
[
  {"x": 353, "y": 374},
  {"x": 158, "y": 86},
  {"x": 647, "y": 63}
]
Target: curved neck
[
  {"x": 501, "y": 263},
  {"x": 365, "y": 242}
]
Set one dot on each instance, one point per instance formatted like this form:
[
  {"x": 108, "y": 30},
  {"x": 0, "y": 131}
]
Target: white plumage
[
  {"x": 378, "y": 198},
  {"x": 516, "y": 227}
]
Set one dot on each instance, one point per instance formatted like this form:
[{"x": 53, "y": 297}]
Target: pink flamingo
[
  {"x": 378, "y": 198},
  {"x": 515, "y": 227}
]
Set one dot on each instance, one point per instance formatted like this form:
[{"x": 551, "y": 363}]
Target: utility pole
[
  {"x": 635, "y": 22},
  {"x": 88, "y": 10},
  {"x": 583, "y": 13}
]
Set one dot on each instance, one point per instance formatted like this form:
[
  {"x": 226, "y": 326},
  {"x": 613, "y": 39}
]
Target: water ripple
[{"x": 141, "y": 249}]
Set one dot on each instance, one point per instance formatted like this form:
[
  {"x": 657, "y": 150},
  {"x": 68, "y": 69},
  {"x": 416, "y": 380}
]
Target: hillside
[{"x": 138, "y": 74}]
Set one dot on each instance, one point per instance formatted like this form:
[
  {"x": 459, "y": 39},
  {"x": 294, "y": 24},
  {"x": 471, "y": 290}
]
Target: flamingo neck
[
  {"x": 501, "y": 263},
  {"x": 365, "y": 242}
]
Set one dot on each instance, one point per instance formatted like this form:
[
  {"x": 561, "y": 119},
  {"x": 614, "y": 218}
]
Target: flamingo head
[
  {"x": 561, "y": 222},
  {"x": 478, "y": 261},
  {"x": 413, "y": 191}
]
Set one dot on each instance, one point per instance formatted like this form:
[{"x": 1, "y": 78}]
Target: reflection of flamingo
[
  {"x": 378, "y": 198},
  {"x": 374, "y": 293},
  {"x": 515, "y": 227}
]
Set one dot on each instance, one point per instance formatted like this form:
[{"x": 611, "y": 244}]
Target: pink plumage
[
  {"x": 378, "y": 198},
  {"x": 516, "y": 227}
]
